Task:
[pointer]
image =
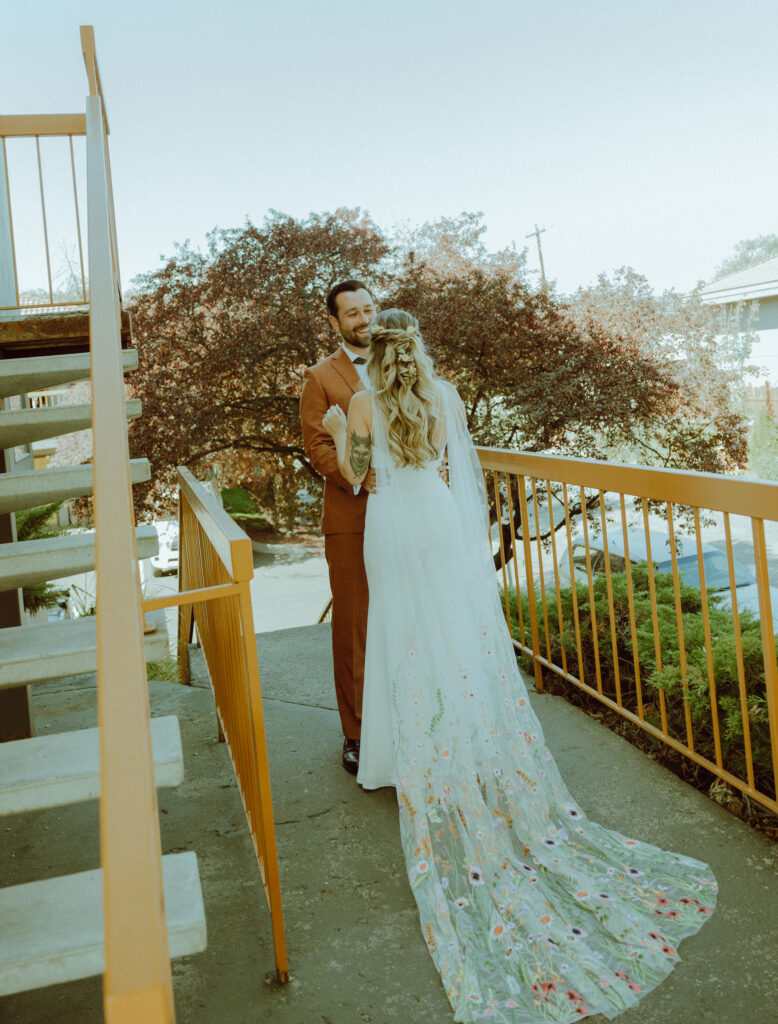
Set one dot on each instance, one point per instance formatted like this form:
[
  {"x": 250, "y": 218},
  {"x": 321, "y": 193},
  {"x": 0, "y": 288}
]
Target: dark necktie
[{"x": 360, "y": 361}]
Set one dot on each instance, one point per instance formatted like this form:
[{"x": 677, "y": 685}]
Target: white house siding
[{"x": 756, "y": 284}]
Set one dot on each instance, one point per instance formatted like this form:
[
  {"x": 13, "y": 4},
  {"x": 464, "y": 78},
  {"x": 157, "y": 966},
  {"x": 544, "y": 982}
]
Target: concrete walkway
[{"x": 355, "y": 947}]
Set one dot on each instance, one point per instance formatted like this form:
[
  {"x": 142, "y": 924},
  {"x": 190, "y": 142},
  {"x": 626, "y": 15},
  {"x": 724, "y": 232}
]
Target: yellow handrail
[
  {"x": 215, "y": 568},
  {"x": 137, "y": 983},
  {"x": 532, "y": 479}
]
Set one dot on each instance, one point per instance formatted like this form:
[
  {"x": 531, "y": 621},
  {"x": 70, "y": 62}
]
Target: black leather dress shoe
[{"x": 350, "y": 758}]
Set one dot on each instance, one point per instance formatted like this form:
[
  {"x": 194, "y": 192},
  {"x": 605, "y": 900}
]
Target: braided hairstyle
[{"x": 403, "y": 377}]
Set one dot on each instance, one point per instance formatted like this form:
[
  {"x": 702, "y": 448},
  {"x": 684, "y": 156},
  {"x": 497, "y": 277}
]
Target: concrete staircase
[{"x": 52, "y": 930}]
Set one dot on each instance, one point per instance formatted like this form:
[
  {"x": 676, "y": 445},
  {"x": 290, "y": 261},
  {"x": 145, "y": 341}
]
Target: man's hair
[{"x": 344, "y": 286}]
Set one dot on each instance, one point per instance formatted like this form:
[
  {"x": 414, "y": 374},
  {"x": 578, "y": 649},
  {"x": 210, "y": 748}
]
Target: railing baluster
[
  {"x": 654, "y": 616},
  {"x": 573, "y": 586},
  {"x": 556, "y": 578},
  {"x": 590, "y": 579},
  {"x": 540, "y": 568},
  {"x": 43, "y": 212},
  {"x": 768, "y": 640},
  {"x": 741, "y": 670},
  {"x": 631, "y": 601},
  {"x": 10, "y": 223},
  {"x": 611, "y": 608},
  {"x": 498, "y": 506},
  {"x": 714, "y": 709},
  {"x": 533, "y": 610},
  {"x": 515, "y": 561},
  {"x": 78, "y": 219},
  {"x": 679, "y": 626}
]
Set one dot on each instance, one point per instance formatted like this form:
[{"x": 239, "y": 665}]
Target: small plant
[
  {"x": 82, "y": 601},
  {"x": 165, "y": 671}
]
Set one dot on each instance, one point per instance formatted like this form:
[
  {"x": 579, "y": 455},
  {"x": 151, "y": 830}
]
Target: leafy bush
[
  {"x": 666, "y": 677},
  {"x": 244, "y": 509},
  {"x": 35, "y": 524}
]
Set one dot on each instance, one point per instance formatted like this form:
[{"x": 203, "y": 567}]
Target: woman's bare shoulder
[
  {"x": 361, "y": 402},
  {"x": 361, "y": 407}
]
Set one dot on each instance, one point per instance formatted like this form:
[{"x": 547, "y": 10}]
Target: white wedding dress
[{"x": 531, "y": 912}]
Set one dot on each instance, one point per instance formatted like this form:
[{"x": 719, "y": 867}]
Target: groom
[{"x": 332, "y": 382}]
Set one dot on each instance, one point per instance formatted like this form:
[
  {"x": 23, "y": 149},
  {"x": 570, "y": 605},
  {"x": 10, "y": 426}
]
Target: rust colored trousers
[{"x": 349, "y": 625}]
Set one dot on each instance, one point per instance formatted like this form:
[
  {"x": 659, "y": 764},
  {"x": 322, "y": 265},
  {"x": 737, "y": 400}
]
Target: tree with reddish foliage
[
  {"x": 696, "y": 424},
  {"x": 613, "y": 371},
  {"x": 223, "y": 338}
]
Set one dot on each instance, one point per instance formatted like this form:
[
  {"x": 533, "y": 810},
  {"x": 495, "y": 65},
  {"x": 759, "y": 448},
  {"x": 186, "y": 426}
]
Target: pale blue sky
[{"x": 636, "y": 133}]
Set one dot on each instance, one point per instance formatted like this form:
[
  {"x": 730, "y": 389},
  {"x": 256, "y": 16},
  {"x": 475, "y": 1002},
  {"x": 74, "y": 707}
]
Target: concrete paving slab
[{"x": 355, "y": 947}]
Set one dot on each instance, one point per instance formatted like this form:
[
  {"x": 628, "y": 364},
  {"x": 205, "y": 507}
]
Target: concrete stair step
[
  {"x": 35, "y": 487},
  {"x": 52, "y": 931},
  {"x": 34, "y": 654},
  {"x": 27, "y": 562},
  {"x": 20, "y": 426},
  {"x": 64, "y": 767},
  {"x": 18, "y": 376}
]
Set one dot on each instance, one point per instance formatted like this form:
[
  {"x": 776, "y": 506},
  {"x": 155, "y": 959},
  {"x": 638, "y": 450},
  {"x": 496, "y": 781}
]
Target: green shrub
[
  {"x": 666, "y": 678},
  {"x": 35, "y": 524},
  {"x": 244, "y": 509}
]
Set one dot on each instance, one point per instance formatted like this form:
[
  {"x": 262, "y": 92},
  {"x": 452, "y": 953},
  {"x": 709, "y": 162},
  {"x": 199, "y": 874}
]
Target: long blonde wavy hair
[{"x": 403, "y": 377}]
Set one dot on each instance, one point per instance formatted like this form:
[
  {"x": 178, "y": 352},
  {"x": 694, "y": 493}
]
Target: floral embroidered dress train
[{"x": 530, "y": 911}]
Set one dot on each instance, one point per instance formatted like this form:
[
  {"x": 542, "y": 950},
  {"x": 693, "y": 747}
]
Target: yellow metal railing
[
  {"x": 581, "y": 546},
  {"x": 137, "y": 981},
  {"x": 215, "y": 569}
]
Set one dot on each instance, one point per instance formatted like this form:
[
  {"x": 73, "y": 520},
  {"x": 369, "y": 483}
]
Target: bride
[{"x": 531, "y": 912}]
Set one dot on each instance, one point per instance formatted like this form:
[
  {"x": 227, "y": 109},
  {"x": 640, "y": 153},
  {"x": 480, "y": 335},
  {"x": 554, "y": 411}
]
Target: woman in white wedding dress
[{"x": 531, "y": 912}]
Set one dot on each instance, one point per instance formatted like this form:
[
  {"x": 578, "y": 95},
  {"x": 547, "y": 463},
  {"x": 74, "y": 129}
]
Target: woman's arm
[{"x": 352, "y": 436}]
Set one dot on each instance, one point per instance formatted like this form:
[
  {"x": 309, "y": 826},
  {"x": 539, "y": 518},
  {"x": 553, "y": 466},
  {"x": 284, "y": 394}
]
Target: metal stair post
[{"x": 15, "y": 712}]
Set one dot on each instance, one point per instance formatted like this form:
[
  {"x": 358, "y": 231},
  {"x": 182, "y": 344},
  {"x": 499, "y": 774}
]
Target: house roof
[{"x": 757, "y": 282}]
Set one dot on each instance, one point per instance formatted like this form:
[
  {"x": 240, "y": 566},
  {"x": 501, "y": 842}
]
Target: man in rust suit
[{"x": 332, "y": 382}]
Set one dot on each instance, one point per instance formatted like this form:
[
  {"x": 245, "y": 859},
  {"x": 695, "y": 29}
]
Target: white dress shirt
[{"x": 361, "y": 368}]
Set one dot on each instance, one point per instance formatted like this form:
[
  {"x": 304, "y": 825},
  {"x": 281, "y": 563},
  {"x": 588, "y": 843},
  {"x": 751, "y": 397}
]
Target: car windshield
[{"x": 716, "y": 571}]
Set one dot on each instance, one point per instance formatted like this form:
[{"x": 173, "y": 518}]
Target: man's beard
[{"x": 357, "y": 340}]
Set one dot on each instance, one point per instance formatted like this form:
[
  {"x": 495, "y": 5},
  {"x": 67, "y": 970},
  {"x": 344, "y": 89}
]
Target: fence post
[{"x": 533, "y": 612}]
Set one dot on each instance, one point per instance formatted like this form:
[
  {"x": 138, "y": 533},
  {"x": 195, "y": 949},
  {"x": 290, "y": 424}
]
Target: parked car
[
  {"x": 714, "y": 564},
  {"x": 165, "y": 561}
]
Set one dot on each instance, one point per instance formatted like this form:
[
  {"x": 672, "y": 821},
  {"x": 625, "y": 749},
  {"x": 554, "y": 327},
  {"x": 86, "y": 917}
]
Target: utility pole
[{"x": 536, "y": 235}]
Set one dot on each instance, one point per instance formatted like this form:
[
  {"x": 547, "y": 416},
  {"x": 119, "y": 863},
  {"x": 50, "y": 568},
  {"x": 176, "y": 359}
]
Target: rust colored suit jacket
[{"x": 331, "y": 382}]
